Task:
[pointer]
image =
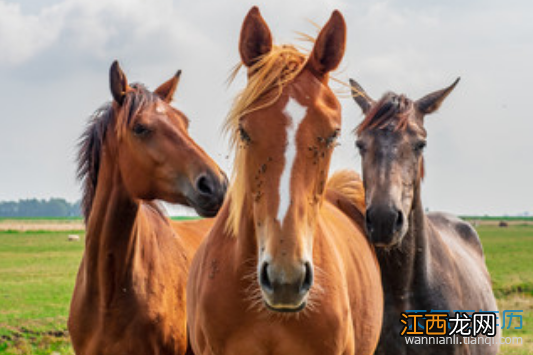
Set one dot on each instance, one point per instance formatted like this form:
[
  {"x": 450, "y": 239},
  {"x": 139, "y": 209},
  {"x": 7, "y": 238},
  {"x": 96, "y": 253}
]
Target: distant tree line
[{"x": 54, "y": 207}]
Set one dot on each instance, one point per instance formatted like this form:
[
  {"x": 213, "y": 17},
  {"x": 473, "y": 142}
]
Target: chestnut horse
[
  {"x": 430, "y": 261},
  {"x": 286, "y": 269},
  {"x": 129, "y": 296}
]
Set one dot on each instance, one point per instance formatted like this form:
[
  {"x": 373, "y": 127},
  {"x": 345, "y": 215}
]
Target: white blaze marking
[{"x": 295, "y": 113}]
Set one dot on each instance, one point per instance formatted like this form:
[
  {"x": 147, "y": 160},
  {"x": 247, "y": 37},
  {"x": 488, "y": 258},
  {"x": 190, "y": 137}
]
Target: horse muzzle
[
  {"x": 208, "y": 193},
  {"x": 285, "y": 290},
  {"x": 385, "y": 225}
]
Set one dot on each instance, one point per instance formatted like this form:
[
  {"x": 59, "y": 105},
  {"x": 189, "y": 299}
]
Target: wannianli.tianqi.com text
[{"x": 458, "y": 340}]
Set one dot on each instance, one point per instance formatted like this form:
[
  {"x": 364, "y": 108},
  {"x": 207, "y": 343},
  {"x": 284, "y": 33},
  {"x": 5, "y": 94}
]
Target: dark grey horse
[{"x": 430, "y": 261}]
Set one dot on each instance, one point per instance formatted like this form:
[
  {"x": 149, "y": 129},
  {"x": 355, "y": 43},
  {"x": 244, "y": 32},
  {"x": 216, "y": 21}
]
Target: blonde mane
[
  {"x": 348, "y": 183},
  {"x": 266, "y": 81}
]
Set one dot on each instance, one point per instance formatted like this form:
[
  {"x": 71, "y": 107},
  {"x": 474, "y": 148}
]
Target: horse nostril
[
  {"x": 399, "y": 221},
  {"x": 308, "y": 278},
  {"x": 204, "y": 185},
  {"x": 264, "y": 279}
]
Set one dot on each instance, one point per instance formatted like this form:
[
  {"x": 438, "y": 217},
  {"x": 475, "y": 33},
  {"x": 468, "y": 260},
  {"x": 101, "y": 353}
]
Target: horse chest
[
  {"x": 231, "y": 325},
  {"x": 279, "y": 337}
]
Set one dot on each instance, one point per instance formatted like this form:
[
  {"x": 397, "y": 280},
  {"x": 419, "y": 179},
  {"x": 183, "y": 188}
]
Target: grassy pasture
[
  {"x": 38, "y": 270},
  {"x": 37, "y": 273}
]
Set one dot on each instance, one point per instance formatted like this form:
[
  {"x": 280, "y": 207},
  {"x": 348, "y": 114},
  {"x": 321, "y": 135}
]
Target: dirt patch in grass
[
  {"x": 23, "y": 340},
  {"x": 23, "y": 332},
  {"x": 26, "y": 225}
]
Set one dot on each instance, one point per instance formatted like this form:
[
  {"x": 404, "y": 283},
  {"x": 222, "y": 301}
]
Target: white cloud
[
  {"x": 23, "y": 36},
  {"x": 93, "y": 28}
]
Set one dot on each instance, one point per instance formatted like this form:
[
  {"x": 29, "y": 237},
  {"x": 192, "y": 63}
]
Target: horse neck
[
  {"x": 112, "y": 226},
  {"x": 406, "y": 264},
  {"x": 246, "y": 242}
]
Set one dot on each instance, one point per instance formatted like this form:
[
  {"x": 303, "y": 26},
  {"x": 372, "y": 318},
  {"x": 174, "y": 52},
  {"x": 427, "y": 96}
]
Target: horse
[
  {"x": 129, "y": 296},
  {"x": 286, "y": 268},
  {"x": 429, "y": 261}
]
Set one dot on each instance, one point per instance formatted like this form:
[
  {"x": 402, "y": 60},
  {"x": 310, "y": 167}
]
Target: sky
[{"x": 55, "y": 57}]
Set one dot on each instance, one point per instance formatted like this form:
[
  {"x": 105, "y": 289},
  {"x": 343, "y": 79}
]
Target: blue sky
[{"x": 55, "y": 56}]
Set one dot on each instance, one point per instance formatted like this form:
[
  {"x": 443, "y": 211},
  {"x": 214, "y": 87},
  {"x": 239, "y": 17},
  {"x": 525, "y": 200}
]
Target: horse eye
[
  {"x": 244, "y": 135},
  {"x": 360, "y": 146},
  {"x": 333, "y": 137},
  {"x": 419, "y": 146},
  {"x": 140, "y": 130}
]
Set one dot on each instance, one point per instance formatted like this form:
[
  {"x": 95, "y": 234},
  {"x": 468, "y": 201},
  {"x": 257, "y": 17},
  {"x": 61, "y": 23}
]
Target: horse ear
[
  {"x": 167, "y": 89},
  {"x": 329, "y": 46},
  {"x": 431, "y": 102},
  {"x": 361, "y": 97},
  {"x": 256, "y": 39},
  {"x": 118, "y": 82}
]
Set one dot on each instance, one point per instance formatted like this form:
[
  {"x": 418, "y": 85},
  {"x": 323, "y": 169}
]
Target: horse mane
[
  {"x": 266, "y": 81},
  {"x": 391, "y": 109},
  {"x": 268, "y": 76},
  {"x": 92, "y": 140},
  {"x": 348, "y": 183},
  {"x": 345, "y": 190}
]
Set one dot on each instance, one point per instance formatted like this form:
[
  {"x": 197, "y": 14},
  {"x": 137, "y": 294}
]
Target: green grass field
[
  {"x": 499, "y": 218},
  {"x": 38, "y": 269},
  {"x": 37, "y": 273}
]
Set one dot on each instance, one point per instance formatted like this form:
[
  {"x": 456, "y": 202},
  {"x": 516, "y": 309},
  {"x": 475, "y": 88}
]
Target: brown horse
[
  {"x": 428, "y": 261},
  {"x": 286, "y": 268},
  {"x": 130, "y": 291}
]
